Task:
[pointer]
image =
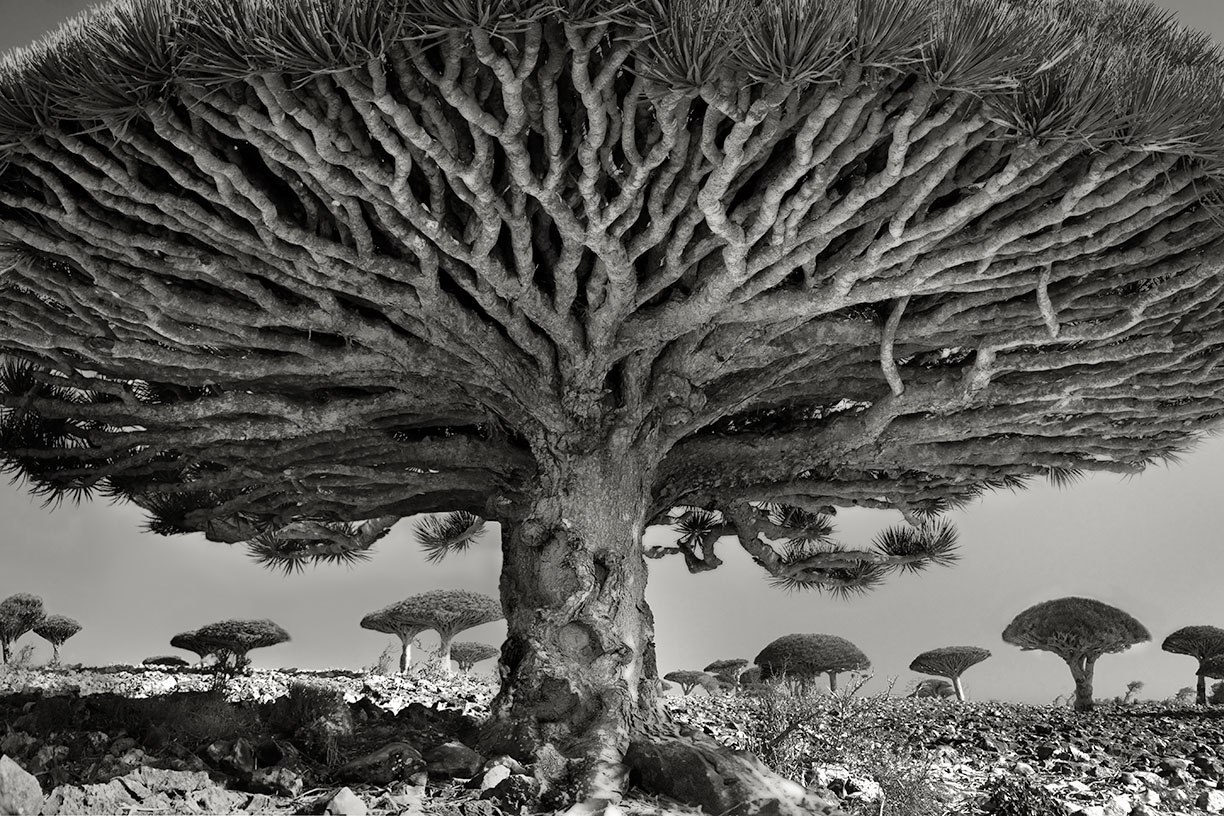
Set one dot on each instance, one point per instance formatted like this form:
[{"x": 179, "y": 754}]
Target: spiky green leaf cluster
[{"x": 445, "y": 534}]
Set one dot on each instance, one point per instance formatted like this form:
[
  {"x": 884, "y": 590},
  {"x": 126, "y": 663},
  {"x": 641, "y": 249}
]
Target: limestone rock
[
  {"x": 20, "y": 793},
  {"x": 345, "y": 803},
  {"x": 493, "y": 777},
  {"x": 453, "y": 760},
  {"x": 513, "y": 793}
]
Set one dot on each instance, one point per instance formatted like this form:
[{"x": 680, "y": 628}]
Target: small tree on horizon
[
  {"x": 395, "y": 620},
  {"x": 950, "y": 662},
  {"x": 934, "y": 687},
  {"x": 728, "y": 670},
  {"x": 288, "y": 273},
  {"x": 19, "y": 614},
  {"x": 688, "y": 680},
  {"x": 237, "y": 637},
  {"x": 468, "y": 653},
  {"x": 56, "y": 629},
  {"x": 171, "y": 661},
  {"x": 187, "y": 641},
  {"x": 1079, "y": 630},
  {"x": 1201, "y": 643},
  {"x": 801, "y": 658}
]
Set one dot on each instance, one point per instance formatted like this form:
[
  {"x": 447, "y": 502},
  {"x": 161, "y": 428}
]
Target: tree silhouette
[
  {"x": 286, "y": 273},
  {"x": 1199, "y": 642},
  {"x": 19, "y": 614},
  {"x": 56, "y": 629},
  {"x": 188, "y": 641},
  {"x": 689, "y": 680},
  {"x": 950, "y": 662},
  {"x": 1079, "y": 630}
]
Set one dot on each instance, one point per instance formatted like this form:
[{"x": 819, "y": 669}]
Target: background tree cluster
[{"x": 22, "y": 613}]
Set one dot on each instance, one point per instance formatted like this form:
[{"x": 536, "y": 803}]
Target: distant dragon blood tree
[
  {"x": 55, "y": 629},
  {"x": 286, "y": 273},
  {"x": 392, "y": 620},
  {"x": 19, "y": 614},
  {"x": 1200, "y": 642},
  {"x": 237, "y": 637},
  {"x": 950, "y": 662}
]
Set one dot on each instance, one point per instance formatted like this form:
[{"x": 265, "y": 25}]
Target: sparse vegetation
[{"x": 1079, "y": 630}]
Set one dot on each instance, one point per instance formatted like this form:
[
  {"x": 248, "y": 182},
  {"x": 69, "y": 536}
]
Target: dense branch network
[{"x": 287, "y": 281}]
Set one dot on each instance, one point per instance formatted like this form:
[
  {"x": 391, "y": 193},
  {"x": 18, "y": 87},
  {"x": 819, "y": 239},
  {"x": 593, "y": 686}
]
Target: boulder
[
  {"x": 1210, "y": 801},
  {"x": 514, "y": 793},
  {"x": 345, "y": 803},
  {"x": 20, "y": 793},
  {"x": 394, "y": 762},
  {"x": 90, "y": 800},
  {"x": 699, "y": 771},
  {"x": 494, "y": 776},
  {"x": 235, "y": 757},
  {"x": 453, "y": 760}
]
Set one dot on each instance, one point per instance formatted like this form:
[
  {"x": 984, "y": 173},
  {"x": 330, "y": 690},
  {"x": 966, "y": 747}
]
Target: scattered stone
[
  {"x": 233, "y": 756},
  {"x": 453, "y": 760},
  {"x": 20, "y": 793},
  {"x": 345, "y": 803},
  {"x": 1169, "y": 765},
  {"x": 47, "y": 757},
  {"x": 514, "y": 793},
  {"x": 1210, "y": 801},
  {"x": 123, "y": 745},
  {"x": 280, "y": 781},
  {"x": 494, "y": 777}
]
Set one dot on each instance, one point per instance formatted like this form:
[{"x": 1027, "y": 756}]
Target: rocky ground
[{"x": 344, "y": 743}]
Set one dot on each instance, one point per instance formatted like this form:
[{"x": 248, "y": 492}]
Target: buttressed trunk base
[
  {"x": 574, "y": 679},
  {"x": 579, "y": 686}
]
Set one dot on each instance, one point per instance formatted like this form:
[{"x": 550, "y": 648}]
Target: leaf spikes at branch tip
[
  {"x": 802, "y": 525},
  {"x": 842, "y": 583},
  {"x": 934, "y": 542},
  {"x": 290, "y": 553},
  {"x": 447, "y": 533}
]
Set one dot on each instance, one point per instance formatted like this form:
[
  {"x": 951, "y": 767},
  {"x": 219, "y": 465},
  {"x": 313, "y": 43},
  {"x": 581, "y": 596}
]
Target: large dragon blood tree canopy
[{"x": 286, "y": 273}]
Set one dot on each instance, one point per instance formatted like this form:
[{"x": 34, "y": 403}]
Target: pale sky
[{"x": 1150, "y": 545}]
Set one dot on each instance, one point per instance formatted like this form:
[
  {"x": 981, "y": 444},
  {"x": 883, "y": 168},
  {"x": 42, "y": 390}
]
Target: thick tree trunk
[
  {"x": 960, "y": 690},
  {"x": 405, "y": 653},
  {"x": 579, "y": 685},
  {"x": 4, "y": 651},
  {"x": 1081, "y": 671},
  {"x": 832, "y": 681},
  {"x": 444, "y": 651},
  {"x": 573, "y": 587},
  {"x": 1201, "y": 690}
]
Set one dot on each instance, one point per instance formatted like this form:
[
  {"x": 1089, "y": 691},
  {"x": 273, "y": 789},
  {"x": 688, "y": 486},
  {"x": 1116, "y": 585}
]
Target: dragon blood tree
[
  {"x": 950, "y": 662},
  {"x": 1201, "y": 643},
  {"x": 55, "y": 629},
  {"x": 468, "y": 653},
  {"x": 286, "y": 273},
  {"x": 800, "y": 659},
  {"x": 449, "y": 612},
  {"x": 1079, "y": 630},
  {"x": 392, "y": 620},
  {"x": 237, "y": 637},
  {"x": 19, "y": 614}
]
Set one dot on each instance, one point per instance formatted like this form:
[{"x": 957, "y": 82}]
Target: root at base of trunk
[{"x": 696, "y": 770}]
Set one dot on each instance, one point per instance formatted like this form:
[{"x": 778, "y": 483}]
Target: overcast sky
[{"x": 1150, "y": 545}]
